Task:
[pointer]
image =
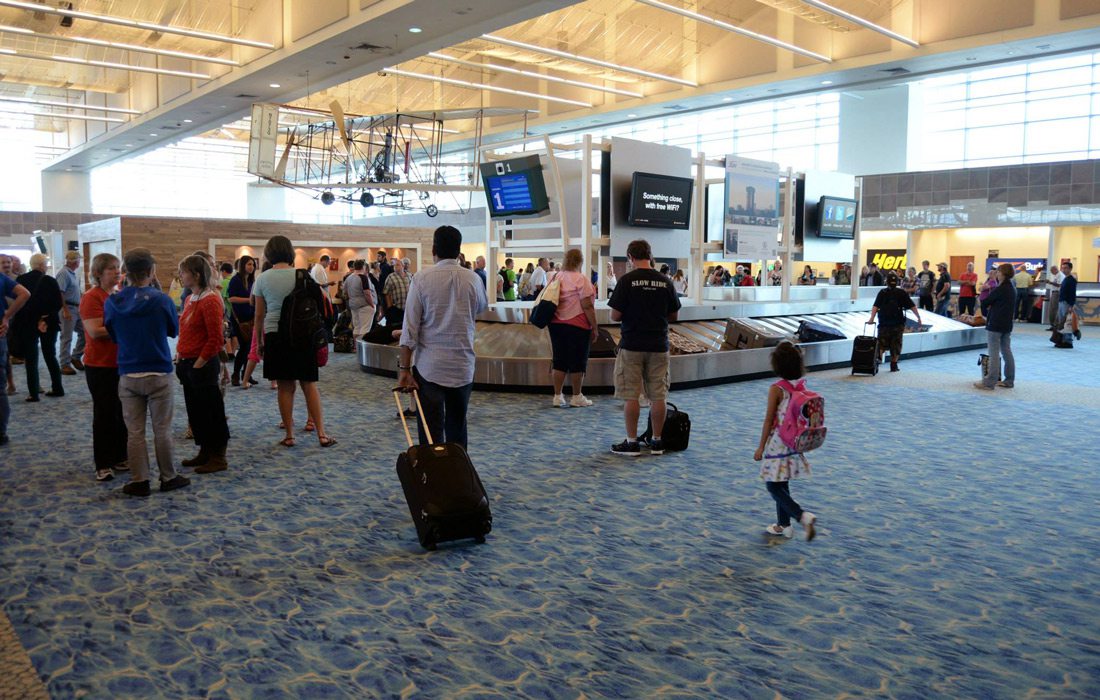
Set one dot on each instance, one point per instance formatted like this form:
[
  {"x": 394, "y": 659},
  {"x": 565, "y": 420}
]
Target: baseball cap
[
  {"x": 943, "y": 265},
  {"x": 72, "y": 255}
]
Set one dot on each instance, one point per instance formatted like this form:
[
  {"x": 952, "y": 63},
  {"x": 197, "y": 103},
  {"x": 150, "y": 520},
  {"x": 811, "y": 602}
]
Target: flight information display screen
[
  {"x": 509, "y": 193},
  {"x": 515, "y": 188}
]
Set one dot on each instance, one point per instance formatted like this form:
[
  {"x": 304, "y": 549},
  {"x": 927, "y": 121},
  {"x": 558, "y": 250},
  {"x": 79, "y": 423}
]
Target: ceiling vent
[
  {"x": 168, "y": 127},
  {"x": 673, "y": 107},
  {"x": 244, "y": 96},
  {"x": 895, "y": 71}
]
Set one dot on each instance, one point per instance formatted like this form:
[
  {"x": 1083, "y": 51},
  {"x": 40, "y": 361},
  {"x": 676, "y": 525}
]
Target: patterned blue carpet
[{"x": 957, "y": 555}]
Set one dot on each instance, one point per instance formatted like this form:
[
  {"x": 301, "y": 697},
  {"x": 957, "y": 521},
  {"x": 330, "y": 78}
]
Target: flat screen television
[
  {"x": 836, "y": 217},
  {"x": 660, "y": 201},
  {"x": 514, "y": 188}
]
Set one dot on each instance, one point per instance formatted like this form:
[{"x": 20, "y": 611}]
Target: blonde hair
[{"x": 573, "y": 260}]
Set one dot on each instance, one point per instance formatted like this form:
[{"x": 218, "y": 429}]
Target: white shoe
[
  {"x": 777, "y": 531},
  {"x": 559, "y": 401},
  {"x": 580, "y": 401},
  {"x": 808, "y": 520}
]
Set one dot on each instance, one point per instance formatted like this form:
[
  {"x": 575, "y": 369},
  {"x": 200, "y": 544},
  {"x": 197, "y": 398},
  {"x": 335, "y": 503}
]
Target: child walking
[{"x": 780, "y": 464}]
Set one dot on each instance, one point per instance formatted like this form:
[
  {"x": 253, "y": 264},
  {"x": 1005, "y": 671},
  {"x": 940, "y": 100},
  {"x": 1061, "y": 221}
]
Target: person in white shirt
[
  {"x": 1054, "y": 284},
  {"x": 319, "y": 273},
  {"x": 538, "y": 276}
]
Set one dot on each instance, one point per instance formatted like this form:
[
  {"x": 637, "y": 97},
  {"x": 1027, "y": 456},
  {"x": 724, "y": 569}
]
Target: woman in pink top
[{"x": 573, "y": 329}]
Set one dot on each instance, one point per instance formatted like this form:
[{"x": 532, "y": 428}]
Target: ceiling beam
[{"x": 119, "y": 45}]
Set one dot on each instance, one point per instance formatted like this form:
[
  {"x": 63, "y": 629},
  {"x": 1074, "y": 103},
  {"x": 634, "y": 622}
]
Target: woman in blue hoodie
[{"x": 140, "y": 319}]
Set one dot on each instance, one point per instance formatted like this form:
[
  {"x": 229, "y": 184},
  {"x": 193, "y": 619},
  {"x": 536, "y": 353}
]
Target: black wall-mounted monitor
[
  {"x": 40, "y": 244},
  {"x": 514, "y": 188},
  {"x": 836, "y": 217},
  {"x": 660, "y": 201}
]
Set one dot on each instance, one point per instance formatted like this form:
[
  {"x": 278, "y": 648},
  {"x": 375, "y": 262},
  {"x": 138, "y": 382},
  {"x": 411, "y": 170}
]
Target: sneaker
[
  {"x": 176, "y": 482},
  {"x": 629, "y": 448},
  {"x": 656, "y": 446},
  {"x": 558, "y": 401},
  {"x": 580, "y": 401},
  {"x": 3, "y": 439},
  {"x": 136, "y": 488},
  {"x": 775, "y": 530},
  {"x": 78, "y": 364},
  {"x": 68, "y": 370},
  {"x": 894, "y": 367},
  {"x": 982, "y": 386},
  {"x": 808, "y": 520},
  {"x": 1004, "y": 384},
  {"x": 409, "y": 413},
  {"x": 1077, "y": 334},
  {"x": 104, "y": 475},
  {"x": 122, "y": 467}
]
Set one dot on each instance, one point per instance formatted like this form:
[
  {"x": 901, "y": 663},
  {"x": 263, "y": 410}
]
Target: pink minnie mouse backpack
[{"x": 803, "y": 427}]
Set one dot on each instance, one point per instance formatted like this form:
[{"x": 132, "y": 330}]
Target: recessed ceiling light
[
  {"x": 826, "y": 82},
  {"x": 1011, "y": 53},
  {"x": 275, "y": 85},
  {"x": 415, "y": 30},
  {"x": 186, "y": 121},
  {"x": 727, "y": 99},
  {"x": 153, "y": 135},
  {"x": 631, "y": 116},
  {"x": 127, "y": 145}
]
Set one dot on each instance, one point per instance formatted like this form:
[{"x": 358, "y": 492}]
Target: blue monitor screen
[
  {"x": 836, "y": 217},
  {"x": 509, "y": 193}
]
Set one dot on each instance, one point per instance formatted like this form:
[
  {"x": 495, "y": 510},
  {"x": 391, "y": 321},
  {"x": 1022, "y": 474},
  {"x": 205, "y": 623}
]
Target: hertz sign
[{"x": 887, "y": 259}]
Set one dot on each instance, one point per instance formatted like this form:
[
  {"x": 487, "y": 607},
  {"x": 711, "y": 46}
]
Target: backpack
[
  {"x": 301, "y": 321},
  {"x": 507, "y": 282},
  {"x": 803, "y": 427}
]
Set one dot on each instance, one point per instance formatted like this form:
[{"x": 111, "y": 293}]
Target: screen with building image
[{"x": 836, "y": 217}]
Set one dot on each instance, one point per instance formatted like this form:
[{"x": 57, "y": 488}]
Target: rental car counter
[{"x": 513, "y": 355}]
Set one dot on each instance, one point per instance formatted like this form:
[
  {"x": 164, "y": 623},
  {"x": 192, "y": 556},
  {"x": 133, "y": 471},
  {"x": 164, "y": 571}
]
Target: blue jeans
[
  {"x": 1000, "y": 344},
  {"x": 941, "y": 306},
  {"x": 785, "y": 506},
  {"x": 5, "y": 408},
  {"x": 444, "y": 411}
]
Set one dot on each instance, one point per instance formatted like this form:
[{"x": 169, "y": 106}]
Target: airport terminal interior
[{"x": 787, "y": 161}]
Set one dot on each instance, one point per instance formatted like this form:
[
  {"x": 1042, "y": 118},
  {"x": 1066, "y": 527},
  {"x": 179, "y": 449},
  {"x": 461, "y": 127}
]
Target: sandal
[
  {"x": 287, "y": 442},
  {"x": 310, "y": 427},
  {"x": 282, "y": 425},
  {"x": 326, "y": 441}
]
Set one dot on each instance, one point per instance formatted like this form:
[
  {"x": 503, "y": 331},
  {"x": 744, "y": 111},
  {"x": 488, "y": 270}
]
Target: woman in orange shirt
[
  {"x": 199, "y": 369},
  {"x": 101, "y": 371}
]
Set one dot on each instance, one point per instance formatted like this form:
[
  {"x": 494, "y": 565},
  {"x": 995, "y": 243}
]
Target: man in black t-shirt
[
  {"x": 890, "y": 306},
  {"x": 926, "y": 278},
  {"x": 943, "y": 290},
  {"x": 644, "y": 302}
]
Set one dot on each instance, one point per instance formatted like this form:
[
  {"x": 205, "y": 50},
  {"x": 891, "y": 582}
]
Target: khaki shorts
[{"x": 637, "y": 371}]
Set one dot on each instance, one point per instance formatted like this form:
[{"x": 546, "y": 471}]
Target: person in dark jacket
[
  {"x": 1067, "y": 299},
  {"x": 998, "y": 326},
  {"x": 41, "y": 310},
  {"x": 890, "y": 307}
]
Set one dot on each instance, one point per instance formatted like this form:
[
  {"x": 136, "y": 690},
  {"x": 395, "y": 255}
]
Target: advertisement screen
[
  {"x": 660, "y": 201},
  {"x": 836, "y": 217}
]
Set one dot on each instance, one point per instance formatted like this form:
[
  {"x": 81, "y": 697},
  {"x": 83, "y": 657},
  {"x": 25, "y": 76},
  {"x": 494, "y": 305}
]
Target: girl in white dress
[{"x": 779, "y": 464}]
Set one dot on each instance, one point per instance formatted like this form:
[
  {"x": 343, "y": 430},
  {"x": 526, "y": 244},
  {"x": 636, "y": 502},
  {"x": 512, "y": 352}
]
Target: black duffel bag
[
  {"x": 676, "y": 432},
  {"x": 816, "y": 332}
]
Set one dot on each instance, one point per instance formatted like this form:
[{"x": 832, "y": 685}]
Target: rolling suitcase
[
  {"x": 444, "y": 492},
  {"x": 865, "y": 353}
]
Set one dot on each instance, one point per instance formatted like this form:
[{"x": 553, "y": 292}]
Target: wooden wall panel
[
  {"x": 172, "y": 239},
  {"x": 1079, "y": 8}
]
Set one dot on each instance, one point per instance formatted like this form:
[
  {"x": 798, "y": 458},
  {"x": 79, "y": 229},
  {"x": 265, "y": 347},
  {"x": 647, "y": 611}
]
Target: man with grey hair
[
  {"x": 140, "y": 320},
  {"x": 68, "y": 281},
  {"x": 37, "y": 325}
]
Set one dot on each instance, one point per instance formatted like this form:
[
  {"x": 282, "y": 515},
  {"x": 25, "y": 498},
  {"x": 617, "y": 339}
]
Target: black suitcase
[
  {"x": 603, "y": 346},
  {"x": 446, "y": 498},
  {"x": 677, "y": 430},
  {"x": 815, "y": 332},
  {"x": 865, "y": 353}
]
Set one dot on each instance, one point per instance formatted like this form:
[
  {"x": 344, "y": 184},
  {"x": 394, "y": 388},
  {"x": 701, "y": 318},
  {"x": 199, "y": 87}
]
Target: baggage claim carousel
[{"x": 513, "y": 355}]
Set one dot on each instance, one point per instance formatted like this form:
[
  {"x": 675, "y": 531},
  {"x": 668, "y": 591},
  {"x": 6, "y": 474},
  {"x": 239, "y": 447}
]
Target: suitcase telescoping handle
[{"x": 419, "y": 413}]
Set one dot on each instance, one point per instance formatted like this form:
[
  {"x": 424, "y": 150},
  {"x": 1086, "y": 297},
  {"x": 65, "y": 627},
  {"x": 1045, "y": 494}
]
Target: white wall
[
  {"x": 873, "y": 129},
  {"x": 66, "y": 192}
]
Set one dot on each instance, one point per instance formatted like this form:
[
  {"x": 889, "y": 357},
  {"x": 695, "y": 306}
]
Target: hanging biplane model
[{"x": 388, "y": 160}]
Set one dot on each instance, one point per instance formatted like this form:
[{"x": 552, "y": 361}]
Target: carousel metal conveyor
[{"x": 513, "y": 355}]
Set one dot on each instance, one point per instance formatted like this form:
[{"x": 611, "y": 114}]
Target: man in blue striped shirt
[{"x": 437, "y": 339}]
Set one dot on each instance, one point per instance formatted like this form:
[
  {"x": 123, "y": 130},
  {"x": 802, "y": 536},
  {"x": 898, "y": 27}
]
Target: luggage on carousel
[
  {"x": 446, "y": 498},
  {"x": 816, "y": 332},
  {"x": 604, "y": 345},
  {"x": 744, "y": 333},
  {"x": 865, "y": 352}
]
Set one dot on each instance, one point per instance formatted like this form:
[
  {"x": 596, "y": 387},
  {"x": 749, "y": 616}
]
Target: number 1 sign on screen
[{"x": 510, "y": 193}]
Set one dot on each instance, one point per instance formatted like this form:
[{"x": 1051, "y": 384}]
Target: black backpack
[
  {"x": 301, "y": 321},
  {"x": 507, "y": 282},
  {"x": 677, "y": 430}
]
